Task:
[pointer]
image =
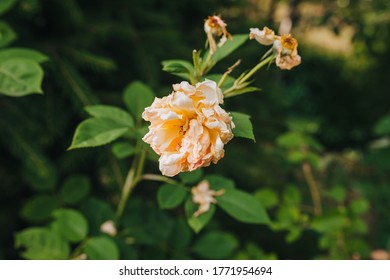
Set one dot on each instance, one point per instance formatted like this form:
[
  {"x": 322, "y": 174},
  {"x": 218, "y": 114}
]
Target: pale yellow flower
[
  {"x": 285, "y": 47},
  {"x": 202, "y": 195},
  {"x": 188, "y": 127},
  {"x": 265, "y": 37},
  {"x": 214, "y": 26}
]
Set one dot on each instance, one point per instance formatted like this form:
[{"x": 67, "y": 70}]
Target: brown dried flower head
[{"x": 215, "y": 27}]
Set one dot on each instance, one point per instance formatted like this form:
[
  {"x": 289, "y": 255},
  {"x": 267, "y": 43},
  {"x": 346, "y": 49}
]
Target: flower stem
[
  {"x": 126, "y": 190},
  {"x": 256, "y": 68},
  {"x": 197, "y": 67},
  {"x": 116, "y": 170},
  {"x": 226, "y": 74},
  {"x": 313, "y": 187},
  {"x": 132, "y": 179},
  {"x": 160, "y": 178},
  {"x": 141, "y": 164},
  {"x": 207, "y": 64},
  {"x": 241, "y": 82}
]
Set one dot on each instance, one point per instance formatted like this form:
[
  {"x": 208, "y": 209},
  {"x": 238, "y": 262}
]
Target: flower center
[{"x": 289, "y": 42}]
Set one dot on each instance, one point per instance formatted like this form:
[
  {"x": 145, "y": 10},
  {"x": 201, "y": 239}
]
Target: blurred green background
[{"x": 321, "y": 161}]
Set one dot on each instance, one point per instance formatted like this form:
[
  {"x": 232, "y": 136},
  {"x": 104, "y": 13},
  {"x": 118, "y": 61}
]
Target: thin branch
[
  {"x": 159, "y": 178},
  {"x": 313, "y": 187}
]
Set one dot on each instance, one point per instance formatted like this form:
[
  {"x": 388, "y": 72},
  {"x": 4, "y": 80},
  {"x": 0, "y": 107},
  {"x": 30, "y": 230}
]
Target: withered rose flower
[
  {"x": 202, "y": 195},
  {"x": 287, "y": 52},
  {"x": 188, "y": 127},
  {"x": 214, "y": 26},
  {"x": 285, "y": 47}
]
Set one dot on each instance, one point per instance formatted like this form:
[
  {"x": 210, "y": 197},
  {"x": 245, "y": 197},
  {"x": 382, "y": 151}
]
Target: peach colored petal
[
  {"x": 265, "y": 37},
  {"x": 172, "y": 163},
  {"x": 184, "y": 87},
  {"x": 287, "y": 62},
  {"x": 210, "y": 91}
]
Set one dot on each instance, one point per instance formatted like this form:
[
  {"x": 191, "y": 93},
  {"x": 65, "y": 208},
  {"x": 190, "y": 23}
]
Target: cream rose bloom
[{"x": 188, "y": 128}]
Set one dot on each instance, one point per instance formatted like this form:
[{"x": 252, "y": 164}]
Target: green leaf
[
  {"x": 243, "y": 207},
  {"x": 169, "y": 196},
  {"x": 181, "y": 68},
  {"x": 75, "y": 189},
  {"x": 123, "y": 150},
  {"x": 146, "y": 223},
  {"x": 329, "y": 223},
  {"x": 7, "y": 34},
  {"x": 267, "y": 197},
  {"x": 382, "y": 127},
  {"x": 218, "y": 182},
  {"x": 229, "y": 47},
  {"x": 216, "y": 245},
  {"x": 241, "y": 91},
  {"x": 286, "y": 215},
  {"x": 338, "y": 193},
  {"x": 359, "y": 226},
  {"x": 254, "y": 252},
  {"x": 292, "y": 140},
  {"x": 137, "y": 96},
  {"x": 293, "y": 235},
  {"x": 19, "y": 77},
  {"x": 97, "y": 212},
  {"x": 304, "y": 126},
  {"x": 297, "y": 156},
  {"x": 5, "y": 5},
  {"x": 359, "y": 206},
  {"x": 243, "y": 126},
  {"x": 229, "y": 81},
  {"x": 42, "y": 244},
  {"x": 201, "y": 221},
  {"x": 110, "y": 112},
  {"x": 291, "y": 195},
  {"x": 11, "y": 53},
  {"x": 191, "y": 177},
  {"x": 96, "y": 132},
  {"x": 181, "y": 235},
  {"x": 70, "y": 224},
  {"x": 101, "y": 248},
  {"x": 39, "y": 208}
]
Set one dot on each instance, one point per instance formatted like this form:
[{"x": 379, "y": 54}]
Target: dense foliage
[{"x": 315, "y": 183}]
